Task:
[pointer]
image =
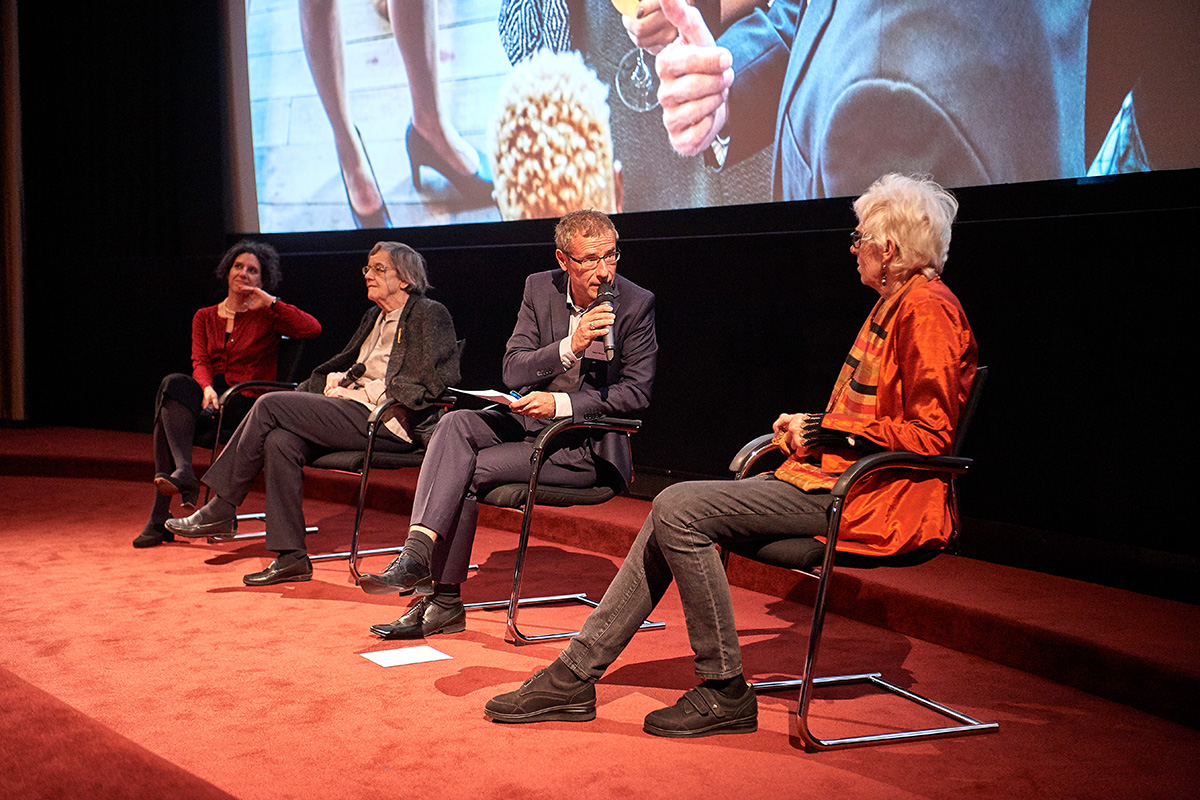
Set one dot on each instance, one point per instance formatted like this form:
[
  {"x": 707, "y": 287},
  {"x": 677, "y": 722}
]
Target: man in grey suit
[
  {"x": 557, "y": 361},
  {"x": 970, "y": 92},
  {"x": 406, "y": 348}
]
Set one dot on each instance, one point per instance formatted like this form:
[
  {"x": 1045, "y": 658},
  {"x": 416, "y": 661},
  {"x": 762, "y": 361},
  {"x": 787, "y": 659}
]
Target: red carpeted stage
[{"x": 156, "y": 673}]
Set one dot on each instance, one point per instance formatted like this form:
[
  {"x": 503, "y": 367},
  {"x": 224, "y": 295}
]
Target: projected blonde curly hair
[{"x": 549, "y": 142}]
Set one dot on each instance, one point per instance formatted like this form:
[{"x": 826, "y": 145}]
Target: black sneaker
[
  {"x": 542, "y": 699},
  {"x": 705, "y": 712}
]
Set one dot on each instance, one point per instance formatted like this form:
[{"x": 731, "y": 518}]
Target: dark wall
[{"x": 1076, "y": 289}]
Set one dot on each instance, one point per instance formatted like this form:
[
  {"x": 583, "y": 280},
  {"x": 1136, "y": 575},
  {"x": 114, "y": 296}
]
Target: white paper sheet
[{"x": 405, "y": 655}]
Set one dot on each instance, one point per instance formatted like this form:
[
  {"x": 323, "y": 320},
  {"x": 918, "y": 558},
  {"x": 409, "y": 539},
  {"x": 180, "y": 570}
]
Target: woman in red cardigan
[{"x": 233, "y": 341}]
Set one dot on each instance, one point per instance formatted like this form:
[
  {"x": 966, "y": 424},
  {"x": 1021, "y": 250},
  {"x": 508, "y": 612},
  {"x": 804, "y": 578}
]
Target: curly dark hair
[{"x": 268, "y": 259}]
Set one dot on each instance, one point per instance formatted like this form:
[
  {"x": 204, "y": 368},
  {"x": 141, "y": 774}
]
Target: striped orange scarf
[{"x": 854, "y": 393}]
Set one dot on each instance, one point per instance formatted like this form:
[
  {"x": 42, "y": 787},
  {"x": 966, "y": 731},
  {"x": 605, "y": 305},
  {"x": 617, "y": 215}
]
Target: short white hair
[
  {"x": 914, "y": 212},
  {"x": 549, "y": 141}
]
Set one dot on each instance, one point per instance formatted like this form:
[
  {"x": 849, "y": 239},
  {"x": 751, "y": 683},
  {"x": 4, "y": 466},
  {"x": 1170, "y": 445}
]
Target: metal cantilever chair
[
  {"x": 361, "y": 463},
  {"x": 815, "y": 559},
  {"x": 524, "y": 497},
  {"x": 356, "y": 462}
]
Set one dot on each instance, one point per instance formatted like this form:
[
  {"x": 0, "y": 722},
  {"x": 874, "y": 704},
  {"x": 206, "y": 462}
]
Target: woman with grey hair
[
  {"x": 236, "y": 340},
  {"x": 901, "y": 387},
  {"x": 404, "y": 350}
]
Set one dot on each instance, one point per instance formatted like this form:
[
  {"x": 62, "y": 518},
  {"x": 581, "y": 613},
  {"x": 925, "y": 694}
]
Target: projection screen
[{"x": 398, "y": 113}]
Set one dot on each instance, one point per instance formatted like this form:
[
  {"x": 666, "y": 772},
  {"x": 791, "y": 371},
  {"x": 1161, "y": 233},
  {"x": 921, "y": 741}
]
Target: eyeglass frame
[
  {"x": 378, "y": 270},
  {"x": 857, "y": 237},
  {"x": 591, "y": 263}
]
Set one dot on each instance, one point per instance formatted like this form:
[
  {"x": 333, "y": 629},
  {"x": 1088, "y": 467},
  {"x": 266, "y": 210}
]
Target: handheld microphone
[
  {"x": 605, "y": 295},
  {"x": 352, "y": 375}
]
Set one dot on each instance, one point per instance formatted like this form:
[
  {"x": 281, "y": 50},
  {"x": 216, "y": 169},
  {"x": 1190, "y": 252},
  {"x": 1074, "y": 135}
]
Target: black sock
[
  {"x": 730, "y": 687},
  {"x": 447, "y": 595},
  {"x": 218, "y": 509},
  {"x": 179, "y": 429},
  {"x": 419, "y": 547},
  {"x": 160, "y": 512}
]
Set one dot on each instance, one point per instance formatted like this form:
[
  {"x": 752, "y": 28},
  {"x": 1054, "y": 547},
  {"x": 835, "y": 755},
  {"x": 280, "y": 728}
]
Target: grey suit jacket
[
  {"x": 422, "y": 364},
  {"x": 620, "y": 387},
  {"x": 970, "y": 92}
]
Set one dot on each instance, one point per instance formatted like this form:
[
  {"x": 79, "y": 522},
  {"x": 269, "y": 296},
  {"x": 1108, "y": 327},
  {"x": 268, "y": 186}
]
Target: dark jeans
[{"x": 678, "y": 541}]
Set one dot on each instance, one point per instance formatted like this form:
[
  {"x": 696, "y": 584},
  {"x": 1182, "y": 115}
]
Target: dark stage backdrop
[{"x": 1076, "y": 290}]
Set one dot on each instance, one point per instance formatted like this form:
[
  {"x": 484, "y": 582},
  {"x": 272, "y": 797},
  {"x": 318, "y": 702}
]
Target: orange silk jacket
[{"x": 928, "y": 366}]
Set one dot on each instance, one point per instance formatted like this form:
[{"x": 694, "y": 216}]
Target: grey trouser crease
[
  {"x": 279, "y": 435},
  {"x": 472, "y": 452}
]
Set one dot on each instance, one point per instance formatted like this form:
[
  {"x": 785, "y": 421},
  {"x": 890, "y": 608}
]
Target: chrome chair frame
[
  {"x": 951, "y": 466},
  {"x": 333, "y": 461},
  {"x": 535, "y": 494}
]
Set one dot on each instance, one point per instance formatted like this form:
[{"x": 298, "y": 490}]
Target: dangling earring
[{"x": 884, "y": 281}]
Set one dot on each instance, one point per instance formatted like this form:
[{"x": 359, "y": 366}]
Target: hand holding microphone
[
  {"x": 352, "y": 375},
  {"x": 333, "y": 383},
  {"x": 596, "y": 323},
  {"x": 605, "y": 295}
]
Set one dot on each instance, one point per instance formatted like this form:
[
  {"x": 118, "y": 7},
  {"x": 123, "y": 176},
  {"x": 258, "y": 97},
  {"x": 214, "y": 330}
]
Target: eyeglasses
[
  {"x": 858, "y": 237},
  {"x": 594, "y": 261},
  {"x": 378, "y": 269}
]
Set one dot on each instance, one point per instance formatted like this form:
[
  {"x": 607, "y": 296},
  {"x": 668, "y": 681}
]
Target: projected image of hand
[
  {"x": 695, "y": 77},
  {"x": 649, "y": 30},
  {"x": 635, "y": 78}
]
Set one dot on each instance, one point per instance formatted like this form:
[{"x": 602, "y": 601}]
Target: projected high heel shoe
[
  {"x": 475, "y": 188},
  {"x": 376, "y": 219}
]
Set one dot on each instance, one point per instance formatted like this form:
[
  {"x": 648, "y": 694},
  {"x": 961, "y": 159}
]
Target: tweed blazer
[{"x": 424, "y": 360}]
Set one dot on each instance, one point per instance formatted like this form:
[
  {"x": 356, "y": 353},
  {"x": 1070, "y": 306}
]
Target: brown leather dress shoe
[
  {"x": 281, "y": 571},
  {"x": 425, "y": 618},
  {"x": 205, "y": 522}
]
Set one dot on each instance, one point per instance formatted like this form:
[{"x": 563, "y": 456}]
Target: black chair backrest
[
  {"x": 968, "y": 411},
  {"x": 287, "y": 365}
]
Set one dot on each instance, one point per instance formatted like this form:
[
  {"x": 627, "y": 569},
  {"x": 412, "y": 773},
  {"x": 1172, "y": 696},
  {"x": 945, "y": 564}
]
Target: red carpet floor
[{"x": 157, "y": 673}]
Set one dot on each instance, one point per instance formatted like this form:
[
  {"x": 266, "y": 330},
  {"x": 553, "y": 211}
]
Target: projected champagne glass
[{"x": 636, "y": 84}]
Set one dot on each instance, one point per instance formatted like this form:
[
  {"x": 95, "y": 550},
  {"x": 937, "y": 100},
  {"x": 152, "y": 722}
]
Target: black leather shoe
[
  {"x": 403, "y": 575},
  {"x": 168, "y": 485},
  {"x": 425, "y": 618},
  {"x": 153, "y": 535},
  {"x": 542, "y": 699},
  {"x": 203, "y": 523},
  {"x": 705, "y": 712},
  {"x": 293, "y": 569},
  {"x": 188, "y": 489}
]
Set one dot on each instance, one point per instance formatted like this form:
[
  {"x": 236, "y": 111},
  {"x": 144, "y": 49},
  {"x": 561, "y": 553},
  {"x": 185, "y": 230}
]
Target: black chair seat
[
  {"x": 514, "y": 495},
  {"x": 805, "y": 553},
  {"x": 799, "y": 553},
  {"x": 352, "y": 460}
]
